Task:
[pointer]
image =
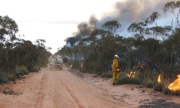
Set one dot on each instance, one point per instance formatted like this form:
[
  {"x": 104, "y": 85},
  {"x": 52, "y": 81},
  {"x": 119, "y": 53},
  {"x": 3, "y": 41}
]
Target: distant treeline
[
  {"x": 18, "y": 56},
  {"x": 150, "y": 48}
]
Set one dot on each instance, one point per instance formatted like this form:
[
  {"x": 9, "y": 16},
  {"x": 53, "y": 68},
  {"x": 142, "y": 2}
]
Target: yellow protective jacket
[{"x": 115, "y": 65}]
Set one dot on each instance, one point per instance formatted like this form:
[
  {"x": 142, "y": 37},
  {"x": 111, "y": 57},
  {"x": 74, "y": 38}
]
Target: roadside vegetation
[
  {"x": 152, "y": 51},
  {"x": 18, "y": 57}
]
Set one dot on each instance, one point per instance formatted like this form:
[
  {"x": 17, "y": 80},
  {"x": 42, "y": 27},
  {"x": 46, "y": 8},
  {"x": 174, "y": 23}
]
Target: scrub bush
[
  {"x": 158, "y": 86},
  {"x": 126, "y": 80},
  {"x": 148, "y": 84},
  {"x": 34, "y": 68},
  {"x": 107, "y": 75}
]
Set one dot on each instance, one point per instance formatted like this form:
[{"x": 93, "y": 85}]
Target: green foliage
[
  {"x": 33, "y": 68},
  {"x": 107, "y": 75},
  {"x": 19, "y": 73},
  {"x": 112, "y": 25},
  {"x": 16, "y": 52},
  {"x": 165, "y": 90},
  {"x": 65, "y": 60},
  {"x": 11, "y": 77},
  {"x": 3, "y": 78},
  {"x": 8, "y": 27},
  {"x": 148, "y": 83},
  {"x": 158, "y": 87},
  {"x": 75, "y": 64},
  {"x": 150, "y": 45},
  {"x": 126, "y": 80},
  {"x": 23, "y": 69}
]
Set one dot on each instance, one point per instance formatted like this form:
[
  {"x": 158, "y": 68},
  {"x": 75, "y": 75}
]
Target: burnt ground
[{"x": 160, "y": 103}]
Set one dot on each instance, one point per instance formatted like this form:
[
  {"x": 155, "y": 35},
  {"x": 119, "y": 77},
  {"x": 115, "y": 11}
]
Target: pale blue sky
[{"x": 52, "y": 20}]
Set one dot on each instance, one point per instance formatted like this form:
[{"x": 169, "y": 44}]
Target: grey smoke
[
  {"x": 127, "y": 12},
  {"x": 130, "y": 11}
]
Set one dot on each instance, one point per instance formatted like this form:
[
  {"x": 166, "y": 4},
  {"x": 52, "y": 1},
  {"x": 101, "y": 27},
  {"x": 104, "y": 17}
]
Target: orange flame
[
  {"x": 175, "y": 85},
  {"x": 131, "y": 74},
  {"x": 140, "y": 66},
  {"x": 159, "y": 78}
]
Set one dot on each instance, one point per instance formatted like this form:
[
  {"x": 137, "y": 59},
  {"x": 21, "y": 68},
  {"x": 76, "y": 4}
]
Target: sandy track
[{"x": 56, "y": 89}]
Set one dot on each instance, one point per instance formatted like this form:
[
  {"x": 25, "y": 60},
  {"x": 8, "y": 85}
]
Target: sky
[
  {"x": 56, "y": 20},
  {"x": 52, "y": 20}
]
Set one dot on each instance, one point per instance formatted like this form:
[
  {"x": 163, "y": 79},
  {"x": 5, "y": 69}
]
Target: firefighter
[{"x": 115, "y": 67}]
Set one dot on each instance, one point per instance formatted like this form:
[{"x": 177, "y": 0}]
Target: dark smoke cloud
[
  {"x": 85, "y": 28},
  {"x": 126, "y": 12},
  {"x": 129, "y": 11}
]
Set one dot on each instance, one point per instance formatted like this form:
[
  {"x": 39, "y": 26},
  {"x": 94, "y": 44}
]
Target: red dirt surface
[
  {"x": 71, "y": 89},
  {"x": 55, "y": 89}
]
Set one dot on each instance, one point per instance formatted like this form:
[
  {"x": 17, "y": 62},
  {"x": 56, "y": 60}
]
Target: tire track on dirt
[
  {"x": 39, "y": 100},
  {"x": 58, "y": 93},
  {"x": 74, "y": 97}
]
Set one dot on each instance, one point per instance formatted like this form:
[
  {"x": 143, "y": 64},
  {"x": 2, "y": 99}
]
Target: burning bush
[
  {"x": 131, "y": 74},
  {"x": 126, "y": 80},
  {"x": 159, "y": 78},
  {"x": 175, "y": 86},
  {"x": 171, "y": 92}
]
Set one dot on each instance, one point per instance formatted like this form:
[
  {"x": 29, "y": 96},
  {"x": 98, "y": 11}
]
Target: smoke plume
[
  {"x": 129, "y": 11},
  {"x": 85, "y": 28},
  {"x": 126, "y": 12}
]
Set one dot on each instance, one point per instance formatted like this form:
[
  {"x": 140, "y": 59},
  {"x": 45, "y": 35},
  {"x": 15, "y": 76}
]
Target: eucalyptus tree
[
  {"x": 104, "y": 44},
  {"x": 174, "y": 8},
  {"x": 138, "y": 29},
  {"x": 172, "y": 46},
  {"x": 155, "y": 31},
  {"x": 41, "y": 53},
  {"x": 159, "y": 31},
  {"x": 152, "y": 18},
  {"x": 111, "y": 26},
  {"x": 8, "y": 30}
]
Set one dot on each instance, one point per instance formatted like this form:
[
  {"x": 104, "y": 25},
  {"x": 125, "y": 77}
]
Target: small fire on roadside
[
  {"x": 81, "y": 66},
  {"x": 140, "y": 66},
  {"x": 175, "y": 86},
  {"x": 131, "y": 74},
  {"x": 159, "y": 78}
]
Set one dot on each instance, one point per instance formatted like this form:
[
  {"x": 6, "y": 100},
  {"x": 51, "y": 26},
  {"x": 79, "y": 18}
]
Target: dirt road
[{"x": 55, "y": 89}]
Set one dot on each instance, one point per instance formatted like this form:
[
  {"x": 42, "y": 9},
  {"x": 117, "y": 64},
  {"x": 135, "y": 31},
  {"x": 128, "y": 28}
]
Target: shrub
[
  {"x": 82, "y": 69},
  {"x": 19, "y": 73},
  {"x": 75, "y": 64},
  {"x": 165, "y": 90},
  {"x": 23, "y": 70},
  {"x": 126, "y": 80},
  {"x": 171, "y": 92},
  {"x": 11, "y": 77},
  {"x": 149, "y": 84},
  {"x": 34, "y": 68},
  {"x": 3, "y": 78},
  {"x": 158, "y": 87},
  {"x": 107, "y": 75},
  {"x": 177, "y": 93}
]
